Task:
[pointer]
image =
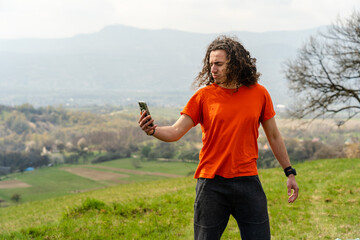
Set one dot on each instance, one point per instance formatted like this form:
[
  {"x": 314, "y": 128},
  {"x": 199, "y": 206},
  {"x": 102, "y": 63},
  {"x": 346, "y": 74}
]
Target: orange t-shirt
[{"x": 229, "y": 122}]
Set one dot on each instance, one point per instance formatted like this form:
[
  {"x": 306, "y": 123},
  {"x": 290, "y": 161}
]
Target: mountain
[{"x": 120, "y": 64}]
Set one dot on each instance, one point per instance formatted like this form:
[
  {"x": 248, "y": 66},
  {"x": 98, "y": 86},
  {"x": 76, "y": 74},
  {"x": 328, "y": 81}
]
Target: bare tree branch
[{"x": 325, "y": 76}]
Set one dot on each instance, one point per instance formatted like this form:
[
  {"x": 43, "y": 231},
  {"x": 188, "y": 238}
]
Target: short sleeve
[
  {"x": 193, "y": 108},
  {"x": 268, "y": 107}
]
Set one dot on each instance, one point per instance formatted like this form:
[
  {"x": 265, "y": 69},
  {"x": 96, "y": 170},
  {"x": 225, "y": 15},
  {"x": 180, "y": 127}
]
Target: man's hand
[
  {"x": 144, "y": 123},
  {"x": 292, "y": 185}
]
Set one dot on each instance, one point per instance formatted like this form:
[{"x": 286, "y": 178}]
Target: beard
[{"x": 220, "y": 81}]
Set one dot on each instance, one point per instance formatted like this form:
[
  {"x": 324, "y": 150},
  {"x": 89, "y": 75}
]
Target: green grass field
[
  {"x": 48, "y": 183},
  {"x": 52, "y": 182},
  {"x": 328, "y": 208}
]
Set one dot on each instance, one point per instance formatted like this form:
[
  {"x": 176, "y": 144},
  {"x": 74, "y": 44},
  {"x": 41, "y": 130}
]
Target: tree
[
  {"x": 325, "y": 76},
  {"x": 60, "y": 146},
  {"x": 83, "y": 149},
  {"x": 145, "y": 151},
  {"x": 17, "y": 122}
]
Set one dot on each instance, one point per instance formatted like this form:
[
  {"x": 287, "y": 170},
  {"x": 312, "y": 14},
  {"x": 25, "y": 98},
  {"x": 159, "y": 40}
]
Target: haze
[{"x": 66, "y": 18}]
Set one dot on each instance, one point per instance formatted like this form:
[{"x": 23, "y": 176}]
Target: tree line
[{"x": 35, "y": 137}]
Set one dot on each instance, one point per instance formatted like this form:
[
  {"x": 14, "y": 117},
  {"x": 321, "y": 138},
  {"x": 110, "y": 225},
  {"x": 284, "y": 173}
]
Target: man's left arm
[{"x": 278, "y": 147}]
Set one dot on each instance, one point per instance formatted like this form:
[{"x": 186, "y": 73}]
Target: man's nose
[{"x": 213, "y": 69}]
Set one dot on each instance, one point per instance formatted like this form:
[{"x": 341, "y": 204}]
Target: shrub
[
  {"x": 110, "y": 156},
  {"x": 88, "y": 205},
  {"x": 16, "y": 197},
  {"x": 353, "y": 150}
]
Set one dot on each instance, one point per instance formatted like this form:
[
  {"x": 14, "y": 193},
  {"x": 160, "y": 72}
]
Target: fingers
[
  {"x": 294, "y": 195},
  {"x": 144, "y": 123},
  {"x": 292, "y": 185},
  {"x": 142, "y": 116}
]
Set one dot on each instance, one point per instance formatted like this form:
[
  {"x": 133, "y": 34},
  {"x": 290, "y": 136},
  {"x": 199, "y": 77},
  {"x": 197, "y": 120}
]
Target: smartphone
[{"x": 144, "y": 108}]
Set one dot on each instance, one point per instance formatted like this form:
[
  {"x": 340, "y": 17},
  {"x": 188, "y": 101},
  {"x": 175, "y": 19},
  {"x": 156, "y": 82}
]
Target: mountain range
[{"x": 120, "y": 64}]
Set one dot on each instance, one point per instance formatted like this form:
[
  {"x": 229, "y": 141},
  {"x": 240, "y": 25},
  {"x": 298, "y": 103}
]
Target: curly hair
[{"x": 241, "y": 68}]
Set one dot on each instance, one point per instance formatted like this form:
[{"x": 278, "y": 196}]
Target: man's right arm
[{"x": 167, "y": 133}]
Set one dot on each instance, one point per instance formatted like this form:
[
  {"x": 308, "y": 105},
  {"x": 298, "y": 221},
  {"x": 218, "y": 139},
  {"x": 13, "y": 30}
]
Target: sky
[{"x": 66, "y": 18}]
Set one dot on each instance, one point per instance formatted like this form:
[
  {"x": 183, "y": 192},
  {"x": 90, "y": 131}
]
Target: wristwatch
[{"x": 289, "y": 170}]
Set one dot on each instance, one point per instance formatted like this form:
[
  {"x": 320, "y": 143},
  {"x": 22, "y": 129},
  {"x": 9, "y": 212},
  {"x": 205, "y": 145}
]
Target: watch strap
[{"x": 289, "y": 170}]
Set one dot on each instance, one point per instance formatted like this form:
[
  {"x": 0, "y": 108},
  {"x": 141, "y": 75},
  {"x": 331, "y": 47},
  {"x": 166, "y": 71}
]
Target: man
[{"x": 230, "y": 109}]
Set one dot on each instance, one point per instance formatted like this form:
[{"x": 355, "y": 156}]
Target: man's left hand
[{"x": 292, "y": 185}]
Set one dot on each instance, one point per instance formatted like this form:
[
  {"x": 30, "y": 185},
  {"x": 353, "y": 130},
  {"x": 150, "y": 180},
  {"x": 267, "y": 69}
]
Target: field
[
  {"x": 63, "y": 180},
  {"x": 13, "y": 184},
  {"x": 328, "y": 207}
]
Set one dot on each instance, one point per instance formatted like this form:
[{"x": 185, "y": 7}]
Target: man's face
[{"x": 218, "y": 63}]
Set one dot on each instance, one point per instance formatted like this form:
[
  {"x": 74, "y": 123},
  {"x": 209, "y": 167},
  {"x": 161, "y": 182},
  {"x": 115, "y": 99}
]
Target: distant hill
[{"x": 120, "y": 64}]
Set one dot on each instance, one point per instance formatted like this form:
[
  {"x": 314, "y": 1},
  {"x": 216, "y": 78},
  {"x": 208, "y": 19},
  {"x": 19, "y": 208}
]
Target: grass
[
  {"x": 52, "y": 210},
  {"x": 328, "y": 208},
  {"x": 53, "y": 182},
  {"x": 180, "y": 168},
  {"x": 48, "y": 183}
]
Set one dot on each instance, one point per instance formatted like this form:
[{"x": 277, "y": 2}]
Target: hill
[
  {"x": 120, "y": 64},
  {"x": 328, "y": 208}
]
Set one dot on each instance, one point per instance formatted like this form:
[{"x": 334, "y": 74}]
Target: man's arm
[
  {"x": 278, "y": 147},
  {"x": 167, "y": 133}
]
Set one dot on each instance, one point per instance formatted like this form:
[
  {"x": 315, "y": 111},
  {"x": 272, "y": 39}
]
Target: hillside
[
  {"x": 39, "y": 137},
  {"x": 328, "y": 208},
  {"x": 53, "y": 136},
  {"x": 68, "y": 179}
]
